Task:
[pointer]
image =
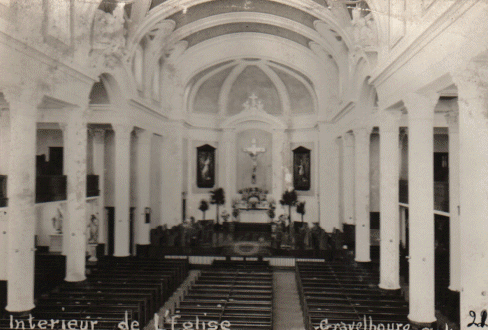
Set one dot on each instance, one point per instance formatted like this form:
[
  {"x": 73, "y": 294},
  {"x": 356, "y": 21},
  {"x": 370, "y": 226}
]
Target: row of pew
[
  {"x": 234, "y": 295},
  {"x": 340, "y": 292},
  {"x": 127, "y": 290}
]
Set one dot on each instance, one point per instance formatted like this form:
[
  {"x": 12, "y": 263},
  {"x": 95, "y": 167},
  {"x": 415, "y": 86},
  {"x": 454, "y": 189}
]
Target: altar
[
  {"x": 253, "y": 206},
  {"x": 254, "y": 215}
]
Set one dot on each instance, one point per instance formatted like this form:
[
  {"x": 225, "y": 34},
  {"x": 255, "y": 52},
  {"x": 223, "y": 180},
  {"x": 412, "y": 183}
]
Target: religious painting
[
  {"x": 205, "y": 166},
  {"x": 301, "y": 169}
]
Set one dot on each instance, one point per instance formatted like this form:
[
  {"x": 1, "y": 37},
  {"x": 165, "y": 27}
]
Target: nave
[{"x": 229, "y": 294}]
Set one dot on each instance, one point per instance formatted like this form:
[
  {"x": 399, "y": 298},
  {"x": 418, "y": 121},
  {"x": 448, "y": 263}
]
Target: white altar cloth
[{"x": 260, "y": 216}]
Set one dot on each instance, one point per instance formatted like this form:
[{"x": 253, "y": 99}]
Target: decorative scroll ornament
[{"x": 109, "y": 36}]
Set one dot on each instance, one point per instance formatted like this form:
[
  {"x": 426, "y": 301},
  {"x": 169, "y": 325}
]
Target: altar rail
[{"x": 273, "y": 261}]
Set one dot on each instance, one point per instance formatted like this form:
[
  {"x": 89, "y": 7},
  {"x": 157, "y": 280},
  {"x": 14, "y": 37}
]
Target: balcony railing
[
  {"x": 3, "y": 191},
  {"x": 92, "y": 189},
  {"x": 51, "y": 188},
  {"x": 403, "y": 188},
  {"x": 441, "y": 195}
]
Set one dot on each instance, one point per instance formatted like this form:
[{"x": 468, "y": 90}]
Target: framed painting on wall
[
  {"x": 301, "y": 169},
  {"x": 205, "y": 166}
]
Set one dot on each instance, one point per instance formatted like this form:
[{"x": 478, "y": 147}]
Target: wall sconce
[{"x": 147, "y": 213}]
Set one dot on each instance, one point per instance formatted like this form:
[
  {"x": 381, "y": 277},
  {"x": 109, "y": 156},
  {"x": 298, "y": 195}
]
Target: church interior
[{"x": 243, "y": 164}]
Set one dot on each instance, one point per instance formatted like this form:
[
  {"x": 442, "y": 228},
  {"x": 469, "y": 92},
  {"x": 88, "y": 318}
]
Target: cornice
[
  {"x": 147, "y": 109},
  {"x": 344, "y": 111},
  {"x": 38, "y": 55}
]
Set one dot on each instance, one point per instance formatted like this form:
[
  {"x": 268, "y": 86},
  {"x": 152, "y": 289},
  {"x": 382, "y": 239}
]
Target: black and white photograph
[{"x": 243, "y": 164}]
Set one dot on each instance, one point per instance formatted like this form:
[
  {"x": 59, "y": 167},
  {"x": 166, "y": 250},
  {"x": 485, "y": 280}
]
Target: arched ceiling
[{"x": 310, "y": 37}]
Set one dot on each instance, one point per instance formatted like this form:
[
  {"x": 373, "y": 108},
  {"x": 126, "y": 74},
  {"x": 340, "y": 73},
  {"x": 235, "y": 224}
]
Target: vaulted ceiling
[{"x": 301, "y": 43}]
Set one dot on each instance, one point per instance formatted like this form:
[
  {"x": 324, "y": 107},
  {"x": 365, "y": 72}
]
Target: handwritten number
[
  {"x": 484, "y": 316},
  {"x": 473, "y": 315}
]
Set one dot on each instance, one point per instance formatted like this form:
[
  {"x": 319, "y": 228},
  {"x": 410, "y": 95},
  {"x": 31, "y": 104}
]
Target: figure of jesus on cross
[{"x": 254, "y": 151}]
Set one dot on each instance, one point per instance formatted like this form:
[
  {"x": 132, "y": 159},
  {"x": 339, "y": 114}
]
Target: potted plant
[
  {"x": 271, "y": 210},
  {"x": 301, "y": 209},
  {"x": 290, "y": 199},
  {"x": 203, "y": 207},
  {"x": 217, "y": 197}
]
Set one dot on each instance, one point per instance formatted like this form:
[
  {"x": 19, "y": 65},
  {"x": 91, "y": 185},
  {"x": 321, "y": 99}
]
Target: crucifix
[{"x": 254, "y": 151}]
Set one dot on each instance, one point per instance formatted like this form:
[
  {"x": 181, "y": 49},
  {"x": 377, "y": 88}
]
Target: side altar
[{"x": 253, "y": 206}]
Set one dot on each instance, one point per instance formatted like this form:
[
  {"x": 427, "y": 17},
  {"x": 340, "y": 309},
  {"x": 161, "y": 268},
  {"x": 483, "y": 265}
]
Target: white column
[
  {"x": 21, "y": 194},
  {"x": 454, "y": 223},
  {"x": 122, "y": 189},
  {"x": 143, "y": 181},
  {"x": 362, "y": 138},
  {"x": 99, "y": 168},
  {"x": 472, "y": 84},
  {"x": 421, "y": 205},
  {"x": 389, "y": 209},
  {"x": 75, "y": 231},
  {"x": 65, "y": 239},
  {"x": 328, "y": 176},
  {"x": 4, "y": 159},
  {"x": 348, "y": 177},
  {"x": 278, "y": 145}
]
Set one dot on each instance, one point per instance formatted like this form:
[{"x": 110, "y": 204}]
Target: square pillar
[
  {"x": 389, "y": 209},
  {"x": 172, "y": 176},
  {"x": 454, "y": 221},
  {"x": 328, "y": 178},
  {"x": 143, "y": 183},
  {"x": 75, "y": 231},
  {"x": 362, "y": 139},
  {"x": 348, "y": 177},
  {"x": 227, "y": 171},
  {"x": 278, "y": 146},
  {"x": 421, "y": 206},
  {"x": 122, "y": 189}
]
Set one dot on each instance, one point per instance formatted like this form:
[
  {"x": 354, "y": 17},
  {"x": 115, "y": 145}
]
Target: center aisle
[{"x": 287, "y": 312}]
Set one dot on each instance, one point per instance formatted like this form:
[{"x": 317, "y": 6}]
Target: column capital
[
  {"x": 362, "y": 132},
  {"x": 62, "y": 126},
  {"x": 421, "y": 106},
  {"x": 122, "y": 131},
  {"x": 26, "y": 94},
  {"x": 472, "y": 82},
  {"x": 452, "y": 118},
  {"x": 98, "y": 135},
  {"x": 348, "y": 139},
  {"x": 143, "y": 136},
  {"x": 389, "y": 121}
]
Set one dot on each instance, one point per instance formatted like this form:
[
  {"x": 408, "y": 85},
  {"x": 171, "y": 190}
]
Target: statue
[
  {"x": 254, "y": 151},
  {"x": 58, "y": 222},
  {"x": 93, "y": 230}
]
